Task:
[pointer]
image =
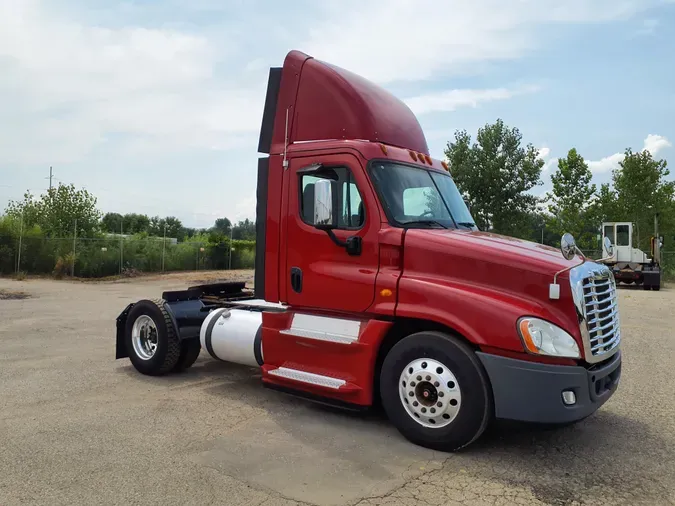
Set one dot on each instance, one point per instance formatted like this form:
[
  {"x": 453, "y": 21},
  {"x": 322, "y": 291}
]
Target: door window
[
  {"x": 622, "y": 235},
  {"x": 609, "y": 232},
  {"x": 351, "y": 211}
]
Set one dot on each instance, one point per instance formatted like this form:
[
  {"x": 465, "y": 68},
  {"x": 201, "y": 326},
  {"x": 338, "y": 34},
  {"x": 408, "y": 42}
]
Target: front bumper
[{"x": 532, "y": 392}]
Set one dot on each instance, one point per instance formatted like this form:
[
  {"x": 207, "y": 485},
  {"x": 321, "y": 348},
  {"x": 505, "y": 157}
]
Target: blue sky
[{"x": 154, "y": 105}]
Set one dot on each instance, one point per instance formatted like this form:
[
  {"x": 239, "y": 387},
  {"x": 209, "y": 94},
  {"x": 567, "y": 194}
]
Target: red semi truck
[{"x": 374, "y": 286}]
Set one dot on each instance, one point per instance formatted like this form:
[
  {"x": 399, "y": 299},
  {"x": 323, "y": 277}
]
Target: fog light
[{"x": 568, "y": 397}]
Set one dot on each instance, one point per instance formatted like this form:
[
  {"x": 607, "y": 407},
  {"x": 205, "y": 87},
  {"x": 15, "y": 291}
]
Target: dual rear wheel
[{"x": 151, "y": 341}]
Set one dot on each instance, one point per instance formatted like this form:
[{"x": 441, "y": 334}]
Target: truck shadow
[{"x": 609, "y": 457}]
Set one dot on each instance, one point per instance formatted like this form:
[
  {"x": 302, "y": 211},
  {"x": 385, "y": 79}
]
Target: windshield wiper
[
  {"x": 467, "y": 224},
  {"x": 426, "y": 222}
]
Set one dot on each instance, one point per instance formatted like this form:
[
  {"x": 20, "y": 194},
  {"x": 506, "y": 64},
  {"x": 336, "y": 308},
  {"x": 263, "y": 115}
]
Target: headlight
[{"x": 543, "y": 338}]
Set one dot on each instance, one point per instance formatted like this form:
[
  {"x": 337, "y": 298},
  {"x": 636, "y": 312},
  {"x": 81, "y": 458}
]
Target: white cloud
[
  {"x": 655, "y": 143},
  {"x": 544, "y": 154},
  {"x": 67, "y": 86},
  {"x": 409, "y": 40},
  {"x": 450, "y": 100},
  {"x": 606, "y": 164},
  {"x": 652, "y": 143}
]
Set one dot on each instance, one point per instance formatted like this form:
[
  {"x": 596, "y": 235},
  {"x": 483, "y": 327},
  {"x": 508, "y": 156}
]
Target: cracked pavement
[{"x": 78, "y": 427}]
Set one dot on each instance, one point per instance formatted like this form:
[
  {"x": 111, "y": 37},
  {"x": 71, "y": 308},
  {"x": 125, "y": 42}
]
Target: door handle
[{"x": 296, "y": 279}]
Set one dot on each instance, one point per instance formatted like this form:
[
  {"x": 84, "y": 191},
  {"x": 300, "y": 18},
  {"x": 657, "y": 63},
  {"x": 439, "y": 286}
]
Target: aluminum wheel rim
[
  {"x": 144, "y": 337},
  {"x": 430, "y": 393}
]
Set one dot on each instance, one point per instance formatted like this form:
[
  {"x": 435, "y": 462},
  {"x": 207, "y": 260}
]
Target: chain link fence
[{"x": 96, "y": 258}]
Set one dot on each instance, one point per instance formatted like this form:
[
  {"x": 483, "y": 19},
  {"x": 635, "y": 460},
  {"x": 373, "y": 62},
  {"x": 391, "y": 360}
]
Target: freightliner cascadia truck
[{"x": 373, "y": 286}]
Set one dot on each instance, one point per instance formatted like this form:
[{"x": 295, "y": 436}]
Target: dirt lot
[{"x": 78, "y": 427}]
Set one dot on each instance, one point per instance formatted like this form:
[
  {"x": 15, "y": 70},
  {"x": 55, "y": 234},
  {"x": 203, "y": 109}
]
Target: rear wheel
[
  {"x": 188, "y": 355},
  {"x": 435, "y": 391},
  {"x": 151, "y": 340}
]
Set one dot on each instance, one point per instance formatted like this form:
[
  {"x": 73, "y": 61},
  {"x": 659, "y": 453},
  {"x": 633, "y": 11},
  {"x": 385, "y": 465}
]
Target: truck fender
[{"x": 120, "y": 344}]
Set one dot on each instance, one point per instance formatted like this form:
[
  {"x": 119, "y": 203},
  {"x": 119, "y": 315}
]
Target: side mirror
[
  {"x": 325, "y": 202},
  {"x": 568, "y": 246},
  {"x": 609, "y": 247}
]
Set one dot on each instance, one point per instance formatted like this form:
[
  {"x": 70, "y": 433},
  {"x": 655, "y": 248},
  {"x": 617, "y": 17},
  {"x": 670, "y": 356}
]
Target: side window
[
  {"x": 351, "y": 210},
  {"x": 609, "y": 232},
  {"x": 622, "y": 235}
]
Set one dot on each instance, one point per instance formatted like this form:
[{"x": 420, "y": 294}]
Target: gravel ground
[{"x": 78, "y": 427}]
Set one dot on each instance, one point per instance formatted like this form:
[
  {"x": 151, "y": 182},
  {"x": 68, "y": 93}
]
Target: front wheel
[{"x": 435, "y": 391}]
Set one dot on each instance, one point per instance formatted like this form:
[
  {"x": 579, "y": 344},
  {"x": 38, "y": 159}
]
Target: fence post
[
  {"x": 121, "y": 248},
  {"x": 18, "y": 261},
  {"x": 74, "y": 246},
  {"x": 163, "y": 246},
  {"x": 229, "y": 266}
]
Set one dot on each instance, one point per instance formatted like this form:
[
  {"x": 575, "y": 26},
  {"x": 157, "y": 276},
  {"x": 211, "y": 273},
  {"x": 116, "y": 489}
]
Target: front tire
[
  {"x": 435, "y": 391},
  {"x": 151, "y": 340}
]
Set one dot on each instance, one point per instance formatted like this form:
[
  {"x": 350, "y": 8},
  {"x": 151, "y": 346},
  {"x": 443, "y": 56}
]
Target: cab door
[{"x": 320, "y": 273}]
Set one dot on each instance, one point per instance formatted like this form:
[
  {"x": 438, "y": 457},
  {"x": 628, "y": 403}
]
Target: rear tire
[
  {"x": 151, "y": 340},
  {"x": 453, "y": 386},
  {"x": 189, "y": 353}
]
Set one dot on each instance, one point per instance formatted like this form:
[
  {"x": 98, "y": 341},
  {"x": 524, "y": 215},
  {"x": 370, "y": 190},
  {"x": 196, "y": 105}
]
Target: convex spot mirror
[{"x": 568, "y": 246}]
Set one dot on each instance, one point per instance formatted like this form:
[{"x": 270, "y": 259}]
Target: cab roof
[{"x": 309, "y": 100}]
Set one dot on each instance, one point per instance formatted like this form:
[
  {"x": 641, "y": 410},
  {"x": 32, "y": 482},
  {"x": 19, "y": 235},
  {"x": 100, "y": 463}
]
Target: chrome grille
[{"x": 594, "y": 292}]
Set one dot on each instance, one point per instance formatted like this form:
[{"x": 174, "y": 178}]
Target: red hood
[
  {"x": 504, "y": 249},
  {"x": 482, "y": 257}
]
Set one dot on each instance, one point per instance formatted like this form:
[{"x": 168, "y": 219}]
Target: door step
[{"x": 316, "y": 380}]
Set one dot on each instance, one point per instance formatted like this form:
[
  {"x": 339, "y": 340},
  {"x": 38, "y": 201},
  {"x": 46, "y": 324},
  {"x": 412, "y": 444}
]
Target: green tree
[
  {"x": 570, "y": 202},
  {"x": 244, "y": 230},
  {"x": 222, "y": 225},
  {"x": 174, "y": 227},
  {"x": 495, "y": 175},
  {"x": 641, "y": 192},
  {"x": 57, "y": 211},
  {"x": 112, "y": 223}
]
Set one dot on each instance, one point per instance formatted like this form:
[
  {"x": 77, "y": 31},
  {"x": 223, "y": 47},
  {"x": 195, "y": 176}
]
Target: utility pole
[{"x": 51, "y": 174}]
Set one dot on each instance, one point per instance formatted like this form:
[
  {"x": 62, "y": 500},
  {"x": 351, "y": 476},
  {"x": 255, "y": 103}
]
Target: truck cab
[
  {"x": 373, "y": 285},
  {"x": 632, "y": 265}
]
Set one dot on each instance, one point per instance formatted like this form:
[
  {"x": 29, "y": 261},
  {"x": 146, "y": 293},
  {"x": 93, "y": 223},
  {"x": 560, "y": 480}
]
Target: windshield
[{"x": 419, "y": 197}]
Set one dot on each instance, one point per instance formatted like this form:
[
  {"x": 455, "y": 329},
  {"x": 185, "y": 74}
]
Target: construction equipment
[{"x": 632, "y": 265}]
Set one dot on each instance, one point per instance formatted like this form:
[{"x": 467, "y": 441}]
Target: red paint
[
  {"x": 354, "y": 363},
  {"x": 327, "y": 102},
  {"x": 474, "y": 283}
]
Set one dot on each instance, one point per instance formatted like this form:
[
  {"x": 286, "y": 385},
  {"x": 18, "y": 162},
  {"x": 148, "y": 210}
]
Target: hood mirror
[
  {"x": 568, "y": 246},
  {"x": 569, "y": 249}
]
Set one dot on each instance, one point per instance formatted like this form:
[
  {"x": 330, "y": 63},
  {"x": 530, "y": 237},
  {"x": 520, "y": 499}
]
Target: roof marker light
[
  {"x": 445, "y": 166},
  {"x": 413, "y": 155},
  {"x": 428, "y": 159},
  {"x": 383, "y": 148}
]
